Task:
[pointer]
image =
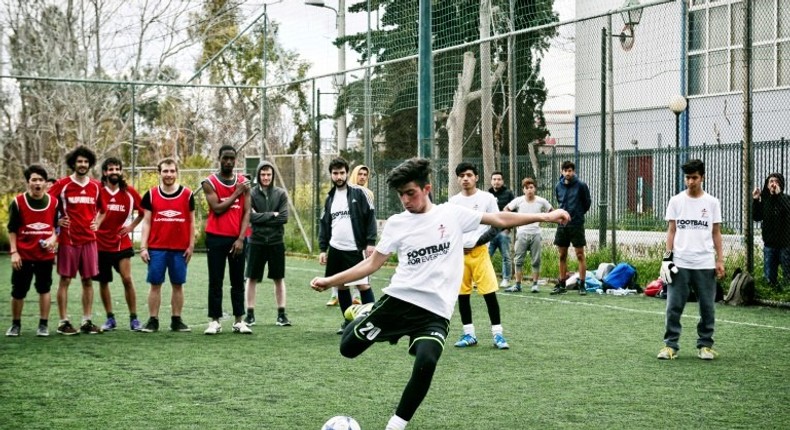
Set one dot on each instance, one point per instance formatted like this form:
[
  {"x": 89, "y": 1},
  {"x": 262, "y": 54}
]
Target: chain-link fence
[{"x": 628, "y": 92}]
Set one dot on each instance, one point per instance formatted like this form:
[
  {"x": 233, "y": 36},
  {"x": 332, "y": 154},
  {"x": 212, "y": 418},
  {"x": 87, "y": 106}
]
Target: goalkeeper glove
[{"x": 667, "y": 268}]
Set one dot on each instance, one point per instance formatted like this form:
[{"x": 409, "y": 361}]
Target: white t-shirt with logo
[
  {"x": 342, "y": 232},
  {"x": 430, "y": 255},
  {"x": 480, "y": 201},
  {"x": 536, "y": 206},
  {"x": 694, "y": 219}
]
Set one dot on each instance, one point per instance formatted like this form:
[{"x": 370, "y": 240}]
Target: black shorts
[
  {"x": 338, "y": 261},
  {"x": 571, "y": 234},
  {"x": 22, "y": 278},
  {"x": 391, "y": 318},
  {"x": 259, "y": 255},
  {"x": 109, "y": 260}
]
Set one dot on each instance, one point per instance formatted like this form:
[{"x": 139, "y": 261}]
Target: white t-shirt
[
  {"x": 536, "y": 206},
  {"x": 694, "y": 219},
  {"x": 430, "y": 255},
  {"x": 480, "y": 201},
  {"x": 342, "y": 232}
]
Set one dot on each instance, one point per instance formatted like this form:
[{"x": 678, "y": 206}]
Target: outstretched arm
[
  {"x": 514, "y": 219},
  {"x": 363, "y": 268}
]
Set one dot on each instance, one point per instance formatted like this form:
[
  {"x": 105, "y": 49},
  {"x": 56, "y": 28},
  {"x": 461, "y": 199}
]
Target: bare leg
[
  {"x": 279, "y": 292},
  {"x": 16, "y": 308},
  {"x": 582, "y": 263},
  {"x": 106, "y": 297},
  {"x": 130, "y": 294},
  {"x": 87, "y": 298},
  {"x": 63, "y": 297},
  {"x": 563, "y": 262},
  {"x": 154, "y": 300},
  {"x": 44, "y": 303},
  {"x": 252, "y": 290},
  {"x": 177, "y": 300}
]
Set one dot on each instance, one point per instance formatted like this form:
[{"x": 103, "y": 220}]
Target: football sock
[
  {"x": 43, "y": 321},
  {"x": 496, "y": 329},
  {"x": 280, "y": 311},
  {"x": 16, "y": 322},
  {"x": 344, "y": 298},
  {"x": 469, "y": 329},
  {"x": 132, "y": 316},
  {"x": 493, "y": 308},
  {"x": 251, "y": 312},
  {"x": 465, "y": 309},
  {"x": 367, "y": 296},
  {"x": 110, "y": 315},
  {"x": 396, "y": 423}
]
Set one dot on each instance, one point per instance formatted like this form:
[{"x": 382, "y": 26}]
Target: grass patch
[{"x": 574, "y": 362}]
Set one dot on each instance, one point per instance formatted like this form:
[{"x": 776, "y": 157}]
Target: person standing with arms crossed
[
  {"x": 79, "y": 197},
  {"x": 478, "y": 269},
  {"x": 501, "y": 241},
  {"x": 167, "y": 243},
  {"x": 693, "y": 259},
  {"x": 419, "y": 301},
  {"x": 227, "y": 194},
  {"x": 121, "y": 202},
  {"x": 528, "y": 236},
  {"x": 346, "y": 233},
  {"x": 32, "y": 217},
  {"x": 573, "y": 195},
  {"x": 268, "y": 215}
]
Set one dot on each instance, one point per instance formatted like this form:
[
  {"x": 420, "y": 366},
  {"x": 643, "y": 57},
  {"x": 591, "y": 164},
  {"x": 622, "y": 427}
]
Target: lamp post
[
  {"x": 340, "y": 77},
  {"x": 677, "y": 104}
]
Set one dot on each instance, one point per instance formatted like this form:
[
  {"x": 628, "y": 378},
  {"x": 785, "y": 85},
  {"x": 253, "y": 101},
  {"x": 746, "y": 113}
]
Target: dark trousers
[{"x": 218, "y": 254}]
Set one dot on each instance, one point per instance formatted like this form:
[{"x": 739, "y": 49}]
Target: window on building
[{"x": 715, "y": 45}]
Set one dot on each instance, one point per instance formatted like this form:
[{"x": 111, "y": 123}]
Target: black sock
[
  {"x": 175, "y": 318},
  {"x": 16, "y": 322},
  {"x": 110, "y": 315},
  {"x": 344, "y": 298},
  {"x": 132, "y": 317},
  {"x": 43, "y": 322},
  {"x": 367, "y": 296},
  {"x": 250, "y": 312},
  {"x": 280, "y": 311},
  {"x": 154, "y": 319}
]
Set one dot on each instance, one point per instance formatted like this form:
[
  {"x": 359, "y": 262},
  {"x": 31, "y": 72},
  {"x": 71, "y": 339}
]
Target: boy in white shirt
[
  {"x": 528, "y": 236},
  {"x": 421, "y": 296},
  {"x": 693, "y": 258}
]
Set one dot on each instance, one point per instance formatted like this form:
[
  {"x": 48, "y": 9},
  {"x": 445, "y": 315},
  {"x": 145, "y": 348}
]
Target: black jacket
[
  {"x": 774, "y": 211},
  {"x": 574, "y": 198},
  {"x": 363, "y": 218},
  {"x": 268, "y": 229},
  {"x": 503, "y": 196}
]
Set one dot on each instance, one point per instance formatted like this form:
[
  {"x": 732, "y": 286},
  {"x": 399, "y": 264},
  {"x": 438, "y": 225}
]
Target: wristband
[
  {"x": 668, "y": 255},
  {"x": 12, "y": 252}
]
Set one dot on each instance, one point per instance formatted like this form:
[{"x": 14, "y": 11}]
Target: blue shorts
[{"x": 171, "y": 261}]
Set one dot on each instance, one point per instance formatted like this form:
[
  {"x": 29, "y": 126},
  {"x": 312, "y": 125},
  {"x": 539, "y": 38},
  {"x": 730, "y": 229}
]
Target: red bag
[{"x": 654, "y": 288}]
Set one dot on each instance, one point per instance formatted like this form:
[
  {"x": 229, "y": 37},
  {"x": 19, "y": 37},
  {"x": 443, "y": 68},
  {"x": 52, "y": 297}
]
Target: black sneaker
[
  {"x": 65, "y": 328},
  {"x": 342, "y": 327},
  {"x": 13, "y": 331},
  {"x": 282, "y": 320},
  {"x": 582, "y": 288},
  {"x": 88, "y": 327},
  {"x": 250, "y": 319},
  {"x": 558, "y": 289},
  {"x": 178, "y": 325},
  {"x": 151, "y": 326}
]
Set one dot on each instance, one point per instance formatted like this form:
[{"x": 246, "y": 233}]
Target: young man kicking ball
[{"x": 422, "y": 293}]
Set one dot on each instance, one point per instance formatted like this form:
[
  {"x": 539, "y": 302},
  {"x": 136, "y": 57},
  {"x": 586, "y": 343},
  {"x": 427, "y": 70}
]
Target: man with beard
[
  {"x": 167, "y": 243},
  {"x": 121, "y": 201},
  {"x": 346, "y": 233},
  {"x": 771, "y": 205},
  {"x": 79, "y": 196},
  {"x": 227, "y": 195}
]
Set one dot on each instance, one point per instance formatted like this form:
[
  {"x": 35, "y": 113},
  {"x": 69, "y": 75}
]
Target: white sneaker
[
  {"x": 241, "y": 327},
  {"x": 535, "y": 288},
  {"x": 505, "y": 283},
  {"x": 214, "y": 327}
]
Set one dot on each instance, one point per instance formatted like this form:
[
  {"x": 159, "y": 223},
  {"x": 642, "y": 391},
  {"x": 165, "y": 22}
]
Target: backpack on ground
[
  {"x": 622, "y": 276},
  {"x": 742, "y": 291}
]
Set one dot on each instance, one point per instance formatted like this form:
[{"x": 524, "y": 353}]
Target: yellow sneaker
[
  {"x": 355, "y": 311},
  {"x": 706, "y": 353},
  {"x": 667, "y": 353},
  {"x": 332, "y": 302},
  {"x": 356, "y": 301}
]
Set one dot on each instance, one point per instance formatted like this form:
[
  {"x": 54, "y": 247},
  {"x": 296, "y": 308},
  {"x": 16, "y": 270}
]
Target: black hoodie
[
  {"x": 267, "y": 229},
  {"x": 774, "y": 211}
]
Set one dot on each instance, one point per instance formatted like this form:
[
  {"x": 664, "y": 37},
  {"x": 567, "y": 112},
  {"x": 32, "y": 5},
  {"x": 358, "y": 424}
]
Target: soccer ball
[{"x": 341, "y": 422}]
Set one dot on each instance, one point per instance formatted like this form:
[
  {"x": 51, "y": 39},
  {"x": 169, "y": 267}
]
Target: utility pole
[{"x": 746, "y": 151}]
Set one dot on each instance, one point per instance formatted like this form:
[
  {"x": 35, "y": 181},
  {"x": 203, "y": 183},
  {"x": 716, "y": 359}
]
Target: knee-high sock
[
  {"x": 427, "y": 353},
  {"x": 465, "y": 309},
  {"x": 493, "y": 308}
]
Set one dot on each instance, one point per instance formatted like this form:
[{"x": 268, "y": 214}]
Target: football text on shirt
[
  {"x": 691, "y": 224},
  {"x": 340, "y": 214},
  {"x": 428, "y": 253}
]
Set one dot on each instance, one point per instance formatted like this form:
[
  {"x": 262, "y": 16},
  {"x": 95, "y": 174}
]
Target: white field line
[{"x": 641, "y": 311}]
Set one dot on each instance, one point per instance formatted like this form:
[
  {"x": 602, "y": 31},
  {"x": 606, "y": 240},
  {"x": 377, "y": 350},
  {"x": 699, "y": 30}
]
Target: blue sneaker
[
  {"x": 109, "y": 324},
  {"x": 500, "y": 342},
  {"x": 135, "y": 325},
  {"x": 466, "y": 340}
]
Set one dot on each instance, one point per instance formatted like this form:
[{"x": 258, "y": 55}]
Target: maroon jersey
[
  {"x": 171, "y": 220},
  {"x": 119, "y": 208},
  {"x": 229, "y": 222},
  {"x": 81, "y": 203},
  {"x": 35, "y": 225}
]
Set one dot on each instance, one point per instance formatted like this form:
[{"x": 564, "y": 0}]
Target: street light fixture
[
  {"x": 340, "y": 78},
  {"x": 678, "y": 105}
]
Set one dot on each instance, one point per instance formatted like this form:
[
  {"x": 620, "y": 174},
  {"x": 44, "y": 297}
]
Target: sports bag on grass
[
  {"x": 741, "y": 292},
  {"x": 623, "y": 275}
]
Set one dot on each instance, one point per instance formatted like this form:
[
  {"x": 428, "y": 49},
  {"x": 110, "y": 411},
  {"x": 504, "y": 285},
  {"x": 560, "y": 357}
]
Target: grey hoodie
[{"x": 267, "y": 229}]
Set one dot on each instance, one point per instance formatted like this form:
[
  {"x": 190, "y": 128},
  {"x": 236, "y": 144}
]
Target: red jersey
[
  {"x": 171, "y": 220},
  {"x": 120, "y": 206},
  {"x": 229, "y": 222},
  {"x": 81, "y": 203},
  {"x": 35, "y": 224}
]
